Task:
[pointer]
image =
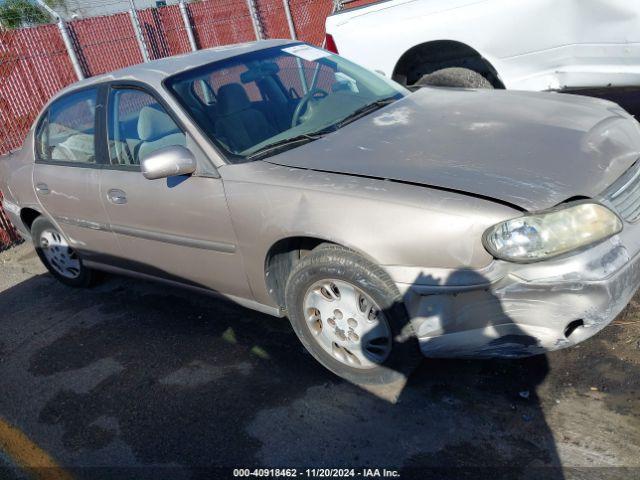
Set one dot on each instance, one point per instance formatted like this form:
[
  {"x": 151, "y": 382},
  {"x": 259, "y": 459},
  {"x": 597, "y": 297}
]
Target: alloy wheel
[
  {"x": 347, "y": 324},
  {"x": 62, "y": 258}
]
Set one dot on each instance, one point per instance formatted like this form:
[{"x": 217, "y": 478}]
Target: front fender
[{"x": 392, "y": 223}]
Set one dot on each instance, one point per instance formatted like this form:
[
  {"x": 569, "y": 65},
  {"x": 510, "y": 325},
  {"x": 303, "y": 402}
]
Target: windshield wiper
[
  {"x": 288, "y": 142},
  {"x": 312, "y": 136},
  {"x": 365, "y": 110}
]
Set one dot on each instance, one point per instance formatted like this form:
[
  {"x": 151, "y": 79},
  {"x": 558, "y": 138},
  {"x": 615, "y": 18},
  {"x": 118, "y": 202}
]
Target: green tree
[{"x": 23, "y": 13}]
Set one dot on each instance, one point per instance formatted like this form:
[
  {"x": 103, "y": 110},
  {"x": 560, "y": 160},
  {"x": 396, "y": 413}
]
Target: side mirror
[{"x": 168, "y": 162}]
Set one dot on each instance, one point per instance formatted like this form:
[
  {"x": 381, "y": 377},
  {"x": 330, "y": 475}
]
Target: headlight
[{"x": 539, "y": 236}]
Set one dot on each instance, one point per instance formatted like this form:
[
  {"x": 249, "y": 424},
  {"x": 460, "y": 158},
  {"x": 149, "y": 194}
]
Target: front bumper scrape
[{"x": 516, "y": 310}]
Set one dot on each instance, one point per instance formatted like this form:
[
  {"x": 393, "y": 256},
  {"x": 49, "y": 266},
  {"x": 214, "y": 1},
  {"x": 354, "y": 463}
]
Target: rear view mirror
[{"x": 168, "y": 162}]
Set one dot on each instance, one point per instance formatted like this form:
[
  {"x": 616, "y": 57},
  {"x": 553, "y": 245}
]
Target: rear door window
[{"x": 66, "y": 134}]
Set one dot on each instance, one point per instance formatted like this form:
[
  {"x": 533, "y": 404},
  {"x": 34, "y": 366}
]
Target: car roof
[{"x": 155, "y": 71}]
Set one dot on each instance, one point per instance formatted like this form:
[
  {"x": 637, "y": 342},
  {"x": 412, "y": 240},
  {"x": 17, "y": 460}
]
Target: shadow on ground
[{"x": 135, "y": 374}]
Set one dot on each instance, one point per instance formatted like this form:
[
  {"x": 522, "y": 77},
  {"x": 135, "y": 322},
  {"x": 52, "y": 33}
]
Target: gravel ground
[{"x": 132, "y": 374}]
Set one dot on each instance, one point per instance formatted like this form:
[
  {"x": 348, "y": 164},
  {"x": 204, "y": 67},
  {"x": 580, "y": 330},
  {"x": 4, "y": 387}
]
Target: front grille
[{"x": 624, "y": 195}]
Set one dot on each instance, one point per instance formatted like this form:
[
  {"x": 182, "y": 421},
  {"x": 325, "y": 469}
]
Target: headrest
[
  {"x": 154, "y": 124},
  {"x": 258, "y": 71},
  {"x": 232, "y": 98}
]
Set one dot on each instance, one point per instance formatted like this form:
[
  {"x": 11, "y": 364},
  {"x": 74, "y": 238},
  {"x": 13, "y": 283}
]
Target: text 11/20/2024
[{"x": 316, "y": 473}]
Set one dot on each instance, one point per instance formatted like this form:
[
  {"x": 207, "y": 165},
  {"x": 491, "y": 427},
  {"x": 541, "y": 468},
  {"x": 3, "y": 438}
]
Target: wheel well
[
  {"x": 281, "y": 259},
  {"x": 28, "y": 215},
  {"x": 431, "y": 56}
]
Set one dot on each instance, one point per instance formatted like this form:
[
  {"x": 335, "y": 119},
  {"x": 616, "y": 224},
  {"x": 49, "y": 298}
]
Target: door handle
[
  {"x": 117, "y": 197},
  {"x": 42, "y": 188}
]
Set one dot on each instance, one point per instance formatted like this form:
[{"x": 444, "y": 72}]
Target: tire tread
[{"x": 327, "y": 256}]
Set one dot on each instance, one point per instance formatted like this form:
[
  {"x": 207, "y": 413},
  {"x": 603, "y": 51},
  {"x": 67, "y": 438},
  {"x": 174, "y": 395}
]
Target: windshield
[{"x": 263, "y": 102}]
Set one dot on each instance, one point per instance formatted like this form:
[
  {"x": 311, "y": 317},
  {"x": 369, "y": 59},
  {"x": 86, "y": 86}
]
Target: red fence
[
  {"x": 8, "y": 234},
  {"x": 309, "y": 17},
  {"x": 223, "y": 22},
  {"x": 104, "y": 44},
  {"x": 164, "y": 31},
  {"x": 34, "y": 63}
]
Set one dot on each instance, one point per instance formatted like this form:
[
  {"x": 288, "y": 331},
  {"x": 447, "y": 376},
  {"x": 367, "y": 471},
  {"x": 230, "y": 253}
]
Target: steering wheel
[{"x": 313, "y": 94}]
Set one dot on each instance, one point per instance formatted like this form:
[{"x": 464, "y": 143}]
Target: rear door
[
  {"x": 67, "y": 170},
  {"x": 178, "y": 228}
]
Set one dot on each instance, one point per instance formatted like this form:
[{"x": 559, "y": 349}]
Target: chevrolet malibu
[{"x": 382, "y": 223}]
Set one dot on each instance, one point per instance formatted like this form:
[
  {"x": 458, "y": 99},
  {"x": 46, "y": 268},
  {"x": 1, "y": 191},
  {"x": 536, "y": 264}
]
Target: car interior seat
[
  {"x": 75, "y": 148},
  {"x": 156, "y": 130},
  {"x": 241, "y": 125}
]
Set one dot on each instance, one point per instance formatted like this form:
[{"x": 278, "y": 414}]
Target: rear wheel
[
  {"x": 455, "y": 77},
  {"x": 61, "y": 260},
  {"x": 350, "y": 316}
]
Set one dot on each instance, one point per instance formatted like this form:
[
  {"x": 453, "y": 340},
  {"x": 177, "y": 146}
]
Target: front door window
[{"x": 138, "y": 126}]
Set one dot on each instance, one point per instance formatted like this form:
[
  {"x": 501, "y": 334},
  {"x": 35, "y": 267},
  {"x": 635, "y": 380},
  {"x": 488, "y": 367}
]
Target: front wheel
[
  {"x": 350, "y": 316},
  {"x": 55, "y": 253}
]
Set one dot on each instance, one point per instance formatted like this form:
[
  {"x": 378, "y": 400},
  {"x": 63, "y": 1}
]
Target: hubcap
[
  {"x": 347, "y": 323},
  {"x": 59, "y": 254}
]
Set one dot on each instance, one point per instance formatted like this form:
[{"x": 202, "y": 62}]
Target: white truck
[{"x": 514, "y": 44}]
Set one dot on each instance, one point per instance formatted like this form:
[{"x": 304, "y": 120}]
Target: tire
[
  {"x": 61, "y": 261},
  {"x": 455, "y": 77},
  {"x": 364, "y": 361}
]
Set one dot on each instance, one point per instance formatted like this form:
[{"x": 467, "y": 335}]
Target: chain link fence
[
  {"x": 34, "y": 65},
  {"x": 38, "y": 61},
  {"x": 8, "y": 234}
]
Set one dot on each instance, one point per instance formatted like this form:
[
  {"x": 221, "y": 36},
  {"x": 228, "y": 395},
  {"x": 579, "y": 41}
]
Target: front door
[
  {"x": 177, "y": 228},
  {"x": 66, "y": 174}
]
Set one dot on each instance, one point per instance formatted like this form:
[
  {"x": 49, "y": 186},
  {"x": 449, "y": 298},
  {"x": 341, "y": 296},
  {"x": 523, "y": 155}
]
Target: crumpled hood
[{"x": 531, "y": 150}]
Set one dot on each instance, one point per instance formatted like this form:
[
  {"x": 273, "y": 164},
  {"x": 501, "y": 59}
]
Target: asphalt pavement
[{"x": 132, "y": 379}]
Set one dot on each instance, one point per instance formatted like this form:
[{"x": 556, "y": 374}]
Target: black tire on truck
[{"x": 454, "y": 77}]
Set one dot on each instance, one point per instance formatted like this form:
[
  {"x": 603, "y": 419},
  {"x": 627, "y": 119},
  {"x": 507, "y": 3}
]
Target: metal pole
[
  {"x": 138, "y": 31},
  {"x": 70, "y": 50},
  {"x": 337, "y": 6},
  {"x": 75, "y": 63},
  {"x": 187, "y": 25},
  {"x": 257, "y": 29},
  {"x": 303, "y": 77},
  {"x": 292, "y": 32},
  {"x": 292, "y": 27}
]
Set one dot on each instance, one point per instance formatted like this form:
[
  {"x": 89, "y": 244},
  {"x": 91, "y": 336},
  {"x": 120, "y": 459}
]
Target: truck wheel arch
[
  {"x": 28, "y": 216},
  {"x": 434, "y": 55}
]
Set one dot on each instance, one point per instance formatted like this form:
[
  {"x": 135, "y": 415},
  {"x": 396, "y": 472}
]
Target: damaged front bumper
[{"x": 515, "y": 310}]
